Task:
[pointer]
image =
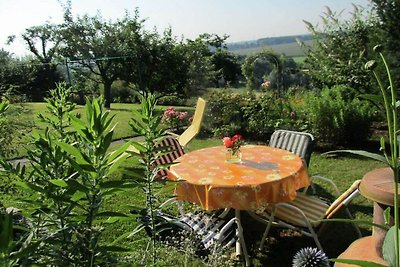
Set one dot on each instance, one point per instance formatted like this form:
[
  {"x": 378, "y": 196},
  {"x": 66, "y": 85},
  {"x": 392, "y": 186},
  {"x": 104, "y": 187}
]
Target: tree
[
  {"x": 15, "y": 76},
  {"x": 340, "y": 49},
  {"x": 158, "y": 64},
  {"x": 43, "y": 42},
  {"x": 100, "y": 46},
  {"x": 226, "y": 66},
  {"x": 200, "y": 68},
  {"x": 388, "y": 13}
]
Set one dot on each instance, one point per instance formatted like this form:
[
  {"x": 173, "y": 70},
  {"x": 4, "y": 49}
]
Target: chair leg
[
  {"x": 271, "y": 219},
  {"x": 354, "y": 225},
  {"x": 315, "y": 237}
]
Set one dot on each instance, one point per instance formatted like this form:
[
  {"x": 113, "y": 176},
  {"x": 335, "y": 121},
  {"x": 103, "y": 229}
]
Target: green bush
[
  {"x": 255, "y": 117},
  {"x": 225, "y": 115},
  {"x": 337, "y": 117},
  {"x": 172, "y": 100},
  {"x": 122, "y": 93}
]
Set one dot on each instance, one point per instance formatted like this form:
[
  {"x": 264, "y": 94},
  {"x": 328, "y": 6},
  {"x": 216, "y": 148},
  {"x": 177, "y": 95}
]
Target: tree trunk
[{"x": 107, "y": 94}]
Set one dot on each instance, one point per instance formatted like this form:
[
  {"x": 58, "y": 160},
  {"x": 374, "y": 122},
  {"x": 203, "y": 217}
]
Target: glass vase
[{"x": 233, "y": 156}]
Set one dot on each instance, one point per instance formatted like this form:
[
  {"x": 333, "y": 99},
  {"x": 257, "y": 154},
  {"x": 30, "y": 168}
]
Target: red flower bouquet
[{"x": 232, "y": 145}]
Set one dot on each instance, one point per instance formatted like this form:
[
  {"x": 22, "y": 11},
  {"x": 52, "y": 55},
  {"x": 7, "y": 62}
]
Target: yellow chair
[
  {"x": 192, "y": 130},
  {"x": 195, "y": 126}
]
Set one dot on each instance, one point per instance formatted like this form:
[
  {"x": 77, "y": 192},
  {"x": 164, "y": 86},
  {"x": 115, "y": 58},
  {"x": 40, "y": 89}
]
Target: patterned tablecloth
[{"x": 265, "y": 175}]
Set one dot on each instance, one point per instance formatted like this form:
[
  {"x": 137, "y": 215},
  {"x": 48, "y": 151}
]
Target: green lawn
[{"x": 29, "y": 111}]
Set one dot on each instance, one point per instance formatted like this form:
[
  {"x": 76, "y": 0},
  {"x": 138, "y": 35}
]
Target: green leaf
[
  {"x": 387, "y": 216},
  {"x": 139, "y": 147},
  {"x": 78, "y": 195},
  {"x": 388, "y": 248},
  {"x": 6, "y": 232},
  {"x": 75, "y": 185},
  {"x": 117, "y": 163},
  {"x": 31, "y": 186},
  {"x": 358, "y": 262},
  {"x": 115, "y": 154},
  {"x": 59, "y": 182},
  {"x": 73, "y": 151},
  {"x": 106, "y": 143},
  {"x": 363, "y": 153},
  {"x": 136, "y": 230},
  {"x": 377, "y": 99}
]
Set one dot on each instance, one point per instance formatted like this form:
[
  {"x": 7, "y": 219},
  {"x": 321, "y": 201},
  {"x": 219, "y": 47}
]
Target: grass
[
  {"x": 281, "y": 245},
  {"x": 290, "y": 49},
  {"x": 29, "y": 111}
]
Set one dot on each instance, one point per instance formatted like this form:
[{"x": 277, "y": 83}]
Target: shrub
[
  {"x": 172, "y": 100},
  {"x": 337, "y": 117},
  {"x": 225, "y": 114},
  {"x": 254, "y": 116}
]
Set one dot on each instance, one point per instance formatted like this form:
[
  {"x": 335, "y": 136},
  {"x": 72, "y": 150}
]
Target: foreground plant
[
  {"x": 310, "y": 257},
  {"x": 70, "y": 182},
  {"x": 147, "y": 124},
  {"x": 388, "y": 99}
]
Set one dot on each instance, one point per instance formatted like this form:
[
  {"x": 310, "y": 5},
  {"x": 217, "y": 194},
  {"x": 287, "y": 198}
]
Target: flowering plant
[
  {"x": 233, "y": 143},
  {"x": 266, "y": 84},
  {"x": 174, "y": 119}
]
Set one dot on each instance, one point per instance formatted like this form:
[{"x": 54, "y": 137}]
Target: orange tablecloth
[{"x": 266, "y": 175}]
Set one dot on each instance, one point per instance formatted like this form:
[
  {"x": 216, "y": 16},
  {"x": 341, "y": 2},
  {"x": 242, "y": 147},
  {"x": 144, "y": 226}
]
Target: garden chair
[
  {"x": 306, "y": 212},
  {"x": 210, "y": 230},
  {"x": 175, "y": 150},
  {"x": 194, "y": 128},
  {"x": 300, "y": 143}
]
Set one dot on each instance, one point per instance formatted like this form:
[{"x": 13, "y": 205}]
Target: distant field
[{"x": 290, "y": 49}]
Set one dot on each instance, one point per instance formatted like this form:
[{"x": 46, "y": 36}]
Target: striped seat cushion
[
  {"x": 313, "y": 208},
  {"x": 177, "y": 151},
  {"x": 208, "y": 227}
]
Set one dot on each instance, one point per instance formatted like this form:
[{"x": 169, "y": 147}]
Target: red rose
[
  {"x": 227, "y": 142},
  {"x": 236, "y": 137}
]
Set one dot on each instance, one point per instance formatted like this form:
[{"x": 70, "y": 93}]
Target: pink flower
[
  {"x": 266, "y": 84},
  {"x": 182, "y": 115}
]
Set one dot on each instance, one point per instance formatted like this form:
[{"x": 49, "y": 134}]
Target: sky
[{"x": 242, "y": 20}]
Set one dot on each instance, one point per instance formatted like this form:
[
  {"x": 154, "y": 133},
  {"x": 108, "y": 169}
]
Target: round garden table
[{"x": 265, "y": 175}]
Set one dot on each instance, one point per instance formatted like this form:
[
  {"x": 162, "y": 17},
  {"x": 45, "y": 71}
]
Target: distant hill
[{"x": 284, "y": 44}]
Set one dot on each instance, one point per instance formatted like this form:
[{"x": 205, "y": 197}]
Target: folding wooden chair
[{"x": 306, "y": 212}]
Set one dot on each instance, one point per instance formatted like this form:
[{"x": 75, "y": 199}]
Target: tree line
[{"x": 88, "y": 51}]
